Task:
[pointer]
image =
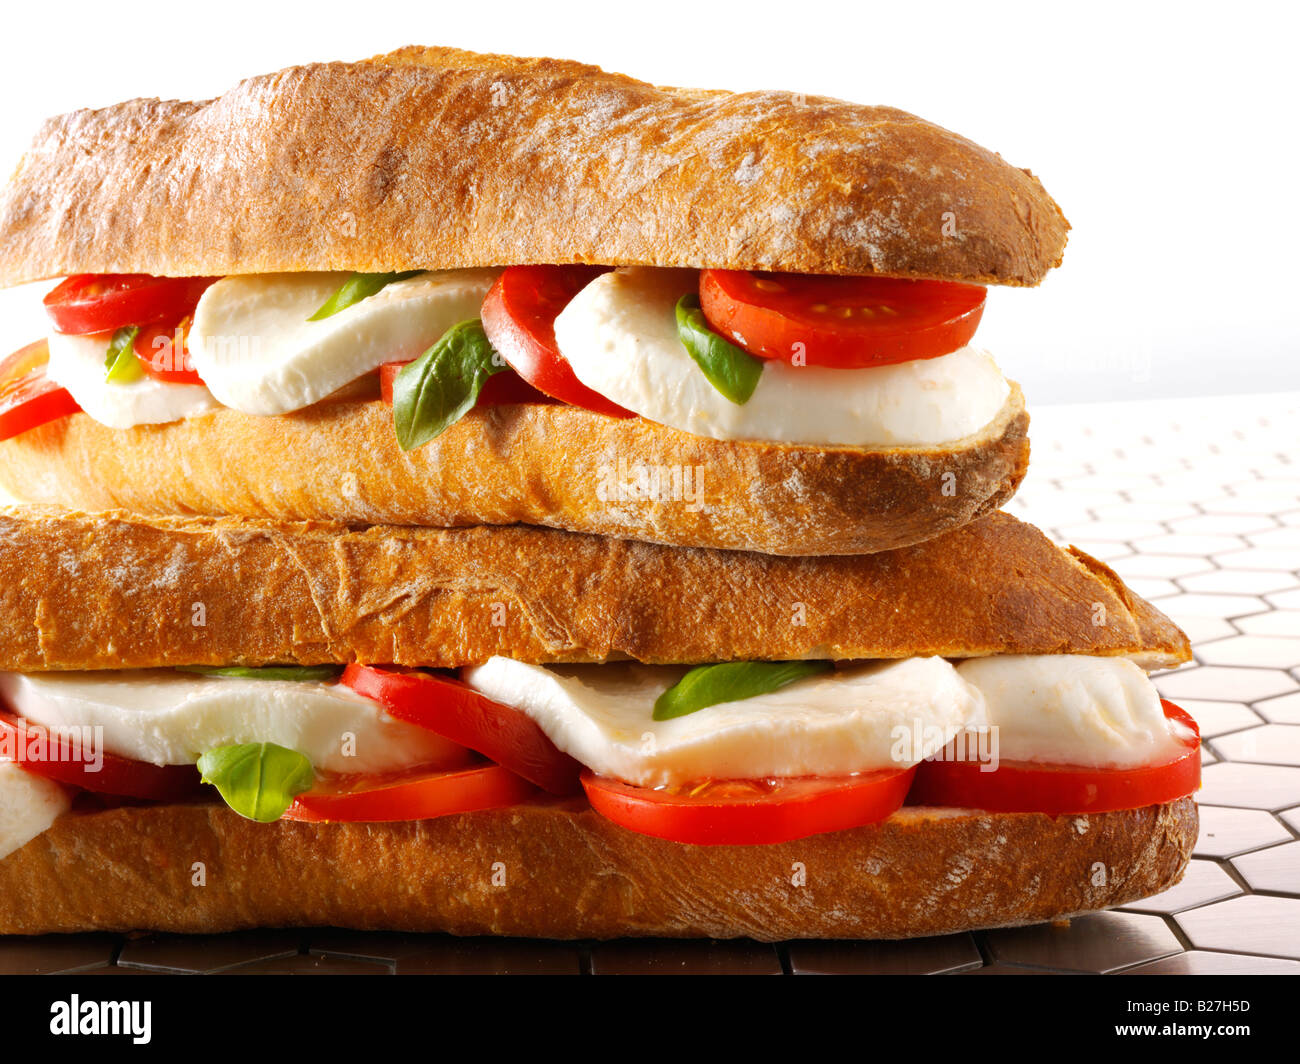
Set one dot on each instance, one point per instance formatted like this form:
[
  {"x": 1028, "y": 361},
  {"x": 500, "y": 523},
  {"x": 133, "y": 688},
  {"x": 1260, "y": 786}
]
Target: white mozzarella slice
[
  {"x": 1073, "y": 709},
  {"x": 29, "y": 804},
  {"x": 254, "y": 347},
  {"x": 77, "y": 363},
  {"x": 620, "y": 336},
  {"x": 851, "y": 720},
  {"x": 171, "y": 718}
]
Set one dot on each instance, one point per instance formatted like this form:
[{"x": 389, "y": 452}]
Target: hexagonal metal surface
[
  {"x": 1219, "y": 718},
  {"x": 207, "y": 953},
  {"x": 1255, "y": 923},
  {"x": 922, "y": 956},
  {"x": 1226, "y": 832},
  {"x": 1250, "y": 786},
  {"x": 1202, "y": 962},
  {"x": 1203, "y": 882},
  {"x": 684, "y": 957},
  {"x": 1275, "y": 870},
  {"x": 1283, "y": 710},
  {"x": 1268, "y": 744},
  {"x": 1097, "y": 943}
]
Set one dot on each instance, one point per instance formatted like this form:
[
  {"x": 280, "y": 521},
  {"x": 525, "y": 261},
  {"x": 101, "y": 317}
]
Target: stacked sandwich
[{"x": 496, "y": 496}]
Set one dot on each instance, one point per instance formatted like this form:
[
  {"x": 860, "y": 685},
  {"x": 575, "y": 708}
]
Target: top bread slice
[
  {"x": 116, "y": 591},
  {"x": 435, "y": 158}
]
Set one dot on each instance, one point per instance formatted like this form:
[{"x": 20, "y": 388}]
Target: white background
[{"x": 1166, "y": 132}]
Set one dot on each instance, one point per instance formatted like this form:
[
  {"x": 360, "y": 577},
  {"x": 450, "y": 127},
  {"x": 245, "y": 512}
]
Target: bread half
[
  {"x": 432, "y": 158},
  {"x": 554, "y": 465},
  {"x": 557, "y": 869},
  {"x": 114, "y": 591}
]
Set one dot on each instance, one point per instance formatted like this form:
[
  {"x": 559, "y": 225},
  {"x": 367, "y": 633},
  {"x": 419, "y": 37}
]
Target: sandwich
[
  {"x": 870, "y": 419},
  {"x": 474, "y": 494},
  {"x": 573, "y": 736}
]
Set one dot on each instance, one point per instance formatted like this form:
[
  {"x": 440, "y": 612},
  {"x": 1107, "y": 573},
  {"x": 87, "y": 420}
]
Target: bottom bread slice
[{"x": 556, "y": 869}]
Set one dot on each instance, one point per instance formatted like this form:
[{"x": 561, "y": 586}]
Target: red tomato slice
[
  {"x": 750, "y": 812},
  {"x": 163, "y": 353},
  {"x": 418, "y": 795},
  {"x": 95, "y": 303},
  {"x": 457, "y": 712},
  {"x": 61, "y": 760},
  {"x": 501, "y": 389},
  {"x": 519, "y": 318},
  {"x": 1030, "y": 787},
  {"x": 842, "y": 322},
  {"x": 388, "y": 376},
  {"x": 28, "y": 397}
]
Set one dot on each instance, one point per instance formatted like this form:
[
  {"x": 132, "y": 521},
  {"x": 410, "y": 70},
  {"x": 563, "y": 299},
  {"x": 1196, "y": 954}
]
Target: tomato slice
[
  {"x": 28, "y": 397},
  {"x": 457, "y": 712},
  {"x": 95, "y": 303},
  {"x": 63, "y": 760},
  {"x": 1031, "y": 787},
  {"x": 156, "y": 348},
  {"x": 417, "y": 795},
  {"x": 501, "y": 389},
  {"x": 841, "y": 322},
  {"x": 750, "y": 812},
  {"x": 519, "y": 318}
]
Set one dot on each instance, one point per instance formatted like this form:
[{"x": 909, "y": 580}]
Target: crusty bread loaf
[
  {"x": 553, "y": 465},
  {"x": 436, "y": 158},
  {"x": 112, "y": 591},
  {"x": 556, "y": 869}
]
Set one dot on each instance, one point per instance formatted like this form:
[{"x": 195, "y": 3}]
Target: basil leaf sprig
[
  {"x": 731, "y": 681},
  {"x": 259, "y": 781},
  {"x": 300, "y": 673},
  {"x": 120, "y": 361},
  {"x": 436, "y": 390},
  {"x": 357, "y": 287},
  {"x": 733, "y": 372}
]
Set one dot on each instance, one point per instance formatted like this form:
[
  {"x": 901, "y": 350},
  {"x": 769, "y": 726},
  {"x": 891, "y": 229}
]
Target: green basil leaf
[
  {"x": 356, "y": 288},
  {"x": 731, "y": 681},
  {"x": 436, "y": 390},
  {"x": 122, "y": 365},
  {"x": 301, "y": 673},
  {"x": 732, "y": 371},
  {"x": 259, "y": 781}
]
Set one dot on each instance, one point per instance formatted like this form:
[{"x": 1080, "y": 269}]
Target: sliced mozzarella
[
  {"x": 171, "y": 718},
  {"x": 851, "y": 720},
  {"x": 620, "y": 336},
  {"x": 28, "y": 805},
  {"x": 77, "y": 363},
  {"x": 1073, "y": 709},
  {"x": 254, "y": 347}
]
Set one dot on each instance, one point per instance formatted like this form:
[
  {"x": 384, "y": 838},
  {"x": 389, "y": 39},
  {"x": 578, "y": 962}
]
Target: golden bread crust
[
  {"x": 554, "y": 465},
  {"x": 435, "y": 158},
  {"x": 117, "y": 591},
  {"x": 569, "y": 873}
]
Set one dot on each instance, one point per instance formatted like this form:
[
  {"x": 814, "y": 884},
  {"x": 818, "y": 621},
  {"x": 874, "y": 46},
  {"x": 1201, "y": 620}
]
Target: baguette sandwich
[
  {"x": 524, "y": 763},
  {"x": 715, "y": 364},
  {"x": 485, "y": 495}
]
